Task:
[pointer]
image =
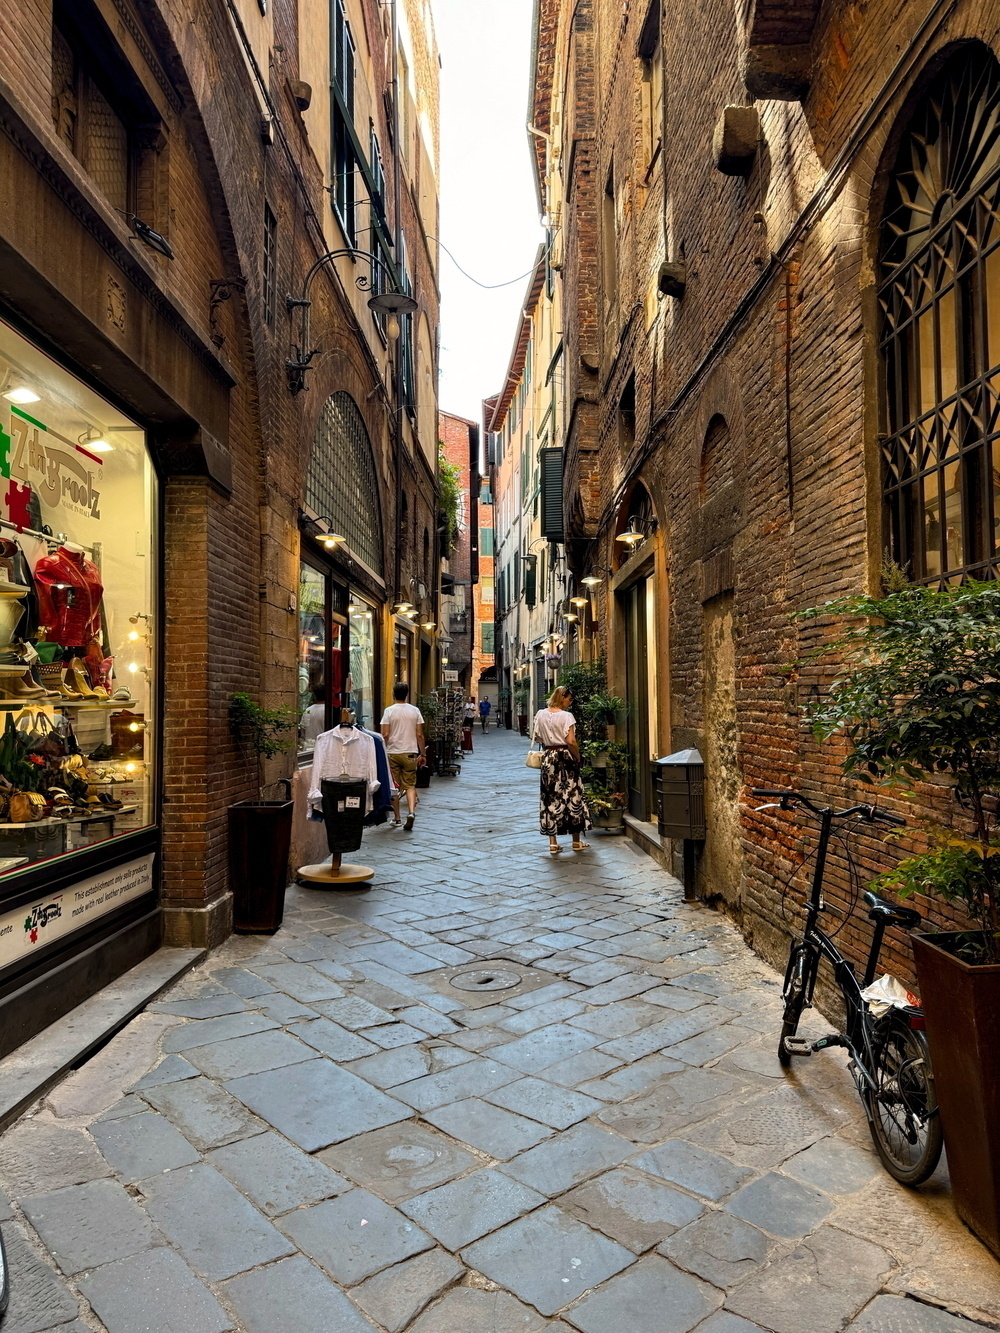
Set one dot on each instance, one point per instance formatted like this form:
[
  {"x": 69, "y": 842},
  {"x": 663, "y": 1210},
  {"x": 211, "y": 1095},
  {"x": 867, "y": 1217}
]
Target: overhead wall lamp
[
  {"x": 631, "y": 537},
  {"x": 392, "y": 302},
  {"x": 579, "y": 601},
  {"x": 331, "y": 540},
  {"x": 592, "y": 581}
]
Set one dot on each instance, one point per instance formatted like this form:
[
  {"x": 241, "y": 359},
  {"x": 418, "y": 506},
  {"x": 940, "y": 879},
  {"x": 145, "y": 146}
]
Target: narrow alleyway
[{"x": 319, "y": 1133}]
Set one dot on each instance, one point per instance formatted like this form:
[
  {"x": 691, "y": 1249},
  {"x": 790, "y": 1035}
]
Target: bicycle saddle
[{"x": 880, "y": 909}]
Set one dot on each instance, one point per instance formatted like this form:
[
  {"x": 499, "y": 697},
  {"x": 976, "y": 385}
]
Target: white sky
[{"x": 489, "y": 212}]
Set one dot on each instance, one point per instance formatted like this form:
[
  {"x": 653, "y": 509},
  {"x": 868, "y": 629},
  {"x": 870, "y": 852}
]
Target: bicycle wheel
[
  {"x": 903, "y": 1109},
  {"x": 794, "y": 996}
]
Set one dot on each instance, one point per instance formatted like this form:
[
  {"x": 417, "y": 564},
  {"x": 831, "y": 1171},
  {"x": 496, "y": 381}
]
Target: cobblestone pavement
[{"x": 317, "y": 1133}]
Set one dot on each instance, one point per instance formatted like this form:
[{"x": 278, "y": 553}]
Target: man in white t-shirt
[{"x": 403, "y": 733}]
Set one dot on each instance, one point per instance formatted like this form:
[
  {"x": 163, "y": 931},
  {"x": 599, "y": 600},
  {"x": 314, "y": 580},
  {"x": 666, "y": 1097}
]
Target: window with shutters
[
  {"x": 487, "y": 636},
  {"x": 650, "y": 54},
  {"x": 342, "y": 483},
  {"x": 343, "y": 166},
  {"x": 552, "y": 494},
  {"x": 939, "y": 298},
  {"x": 486, "y": 590},
  {"x": 530, "y": 580},
  {"x": 485, "y": 541}
]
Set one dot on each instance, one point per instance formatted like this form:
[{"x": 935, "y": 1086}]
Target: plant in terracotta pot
[
  {"x": 606, "y": 767},
  {"x": 917, "y": 695},
  {"x": 260, "y": 831}
]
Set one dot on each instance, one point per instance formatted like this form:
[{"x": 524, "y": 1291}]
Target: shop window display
[
  {"x": 362, "y": 678},
  {"x": 77, "y": 570}
]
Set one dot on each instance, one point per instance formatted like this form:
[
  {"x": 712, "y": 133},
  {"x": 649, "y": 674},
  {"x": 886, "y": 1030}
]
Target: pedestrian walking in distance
[
  {"x": 562, "y": 806},
  {"x": 485, "y": 707},
  {"x": 403, "y": 732}
]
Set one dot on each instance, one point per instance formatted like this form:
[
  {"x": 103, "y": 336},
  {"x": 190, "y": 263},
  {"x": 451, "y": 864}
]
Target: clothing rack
[{"x": 48, "y": 537}]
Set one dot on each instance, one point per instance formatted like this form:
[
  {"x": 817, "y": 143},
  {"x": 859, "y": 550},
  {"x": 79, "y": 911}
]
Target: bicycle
[{"x": 888, "y": 1056}]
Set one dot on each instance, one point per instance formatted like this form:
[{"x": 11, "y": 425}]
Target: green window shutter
[
  {"x": 552, "y": 494},
  {"x": 485, "y": 541},
  {"x": 530, "y": 563},
  {"x": 487, "y": 637}
]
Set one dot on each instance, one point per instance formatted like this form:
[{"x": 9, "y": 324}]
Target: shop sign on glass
[
  {"x": 27, "y": 929},
  {"x": 58, "y": 476}
]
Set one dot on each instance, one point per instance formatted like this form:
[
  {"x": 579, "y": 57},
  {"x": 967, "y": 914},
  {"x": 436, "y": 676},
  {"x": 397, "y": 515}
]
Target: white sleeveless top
[{"x": 552, "y": 728}]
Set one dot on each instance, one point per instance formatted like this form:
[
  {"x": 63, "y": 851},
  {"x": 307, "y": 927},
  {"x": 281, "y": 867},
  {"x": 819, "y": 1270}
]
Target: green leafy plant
[
  {"x": 449, "y": 497},
  {"x": 584, "y": 680},
  {"x": 521, "y": 695},
  {"x": 430, "y": 708},
  {"x": 261, "y": 732},
  {"x": 603, "y": 710},
  {"x": 917, "y": 695},
  {"x": 602, "y": 803}
]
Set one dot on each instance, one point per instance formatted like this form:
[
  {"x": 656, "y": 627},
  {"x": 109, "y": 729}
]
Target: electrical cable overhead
[{"x": 487, "y": 286}]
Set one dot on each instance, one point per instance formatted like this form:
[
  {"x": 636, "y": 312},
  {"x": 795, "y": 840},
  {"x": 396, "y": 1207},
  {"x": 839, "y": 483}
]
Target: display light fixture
[
  {"x": 21, "y": 395},
  {"x": 94, "y": 440}
]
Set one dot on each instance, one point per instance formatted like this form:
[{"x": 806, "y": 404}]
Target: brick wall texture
[{"x": 756, "y": 390}]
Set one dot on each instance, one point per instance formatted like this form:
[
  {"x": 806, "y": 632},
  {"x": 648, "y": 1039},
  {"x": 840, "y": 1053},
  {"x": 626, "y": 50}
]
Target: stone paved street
[{"x": 318, "y": 1133}]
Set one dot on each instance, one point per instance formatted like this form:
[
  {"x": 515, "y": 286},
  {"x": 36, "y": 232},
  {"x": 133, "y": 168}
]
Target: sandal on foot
[
  {"x": 581, "y": 846},
  {"x": 554, "y": 850}
]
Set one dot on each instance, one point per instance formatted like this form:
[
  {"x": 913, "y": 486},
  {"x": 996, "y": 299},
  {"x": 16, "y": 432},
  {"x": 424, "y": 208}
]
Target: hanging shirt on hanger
[
  {"x": 382, "y": 802},
  {"x": 340, "y": 751}
]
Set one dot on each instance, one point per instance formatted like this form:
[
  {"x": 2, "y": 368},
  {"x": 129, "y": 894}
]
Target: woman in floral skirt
[{"x": 563, "y": 808}]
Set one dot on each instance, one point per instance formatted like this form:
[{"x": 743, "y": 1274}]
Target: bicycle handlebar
[{"x": 873, "y": 813}]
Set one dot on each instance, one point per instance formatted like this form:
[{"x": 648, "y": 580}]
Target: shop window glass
[
  {"x": 361, "y": 681},
  {"x": 313, "y": 634},
  {"x": 401, "y": 657},
  {"x": 939, "y": 298},
  {"x": 77, "y": 614}
]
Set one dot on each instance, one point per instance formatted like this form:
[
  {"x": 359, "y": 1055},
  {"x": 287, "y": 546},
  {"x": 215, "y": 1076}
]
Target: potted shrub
[
  {"x": 607, "y": 808},
  {"x": 521, "y": 694},
  {"x": 260, "y": 831},
  {"x": 918, "y": 697}
]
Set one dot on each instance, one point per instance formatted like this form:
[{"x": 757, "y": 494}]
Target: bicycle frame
[{"x": 815, "y": 943}]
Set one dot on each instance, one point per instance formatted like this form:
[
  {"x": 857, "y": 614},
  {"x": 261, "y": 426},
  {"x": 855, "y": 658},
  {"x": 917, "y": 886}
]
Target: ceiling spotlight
[
  {"x": 21, "y": 395},
  {"x": 93, "y": 439}
]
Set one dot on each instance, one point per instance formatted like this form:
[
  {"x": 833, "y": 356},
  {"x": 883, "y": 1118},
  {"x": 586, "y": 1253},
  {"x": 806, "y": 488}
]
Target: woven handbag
[{"x": 533, "y": 759}]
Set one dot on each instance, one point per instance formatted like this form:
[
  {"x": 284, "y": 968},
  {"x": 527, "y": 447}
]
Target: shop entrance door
[{"x": 633, "y": 602}]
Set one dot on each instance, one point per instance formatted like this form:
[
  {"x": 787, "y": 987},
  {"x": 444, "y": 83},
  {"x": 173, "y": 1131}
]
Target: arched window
[
  {"x": 342, "y": 482},
  {"x": 716, "y": 459},
  {"x": 939, "y": 298}
]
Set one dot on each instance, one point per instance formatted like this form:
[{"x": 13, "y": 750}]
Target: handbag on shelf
[
  {"x": 25, "y": 807},
  {"x": 533, "y": 759}
]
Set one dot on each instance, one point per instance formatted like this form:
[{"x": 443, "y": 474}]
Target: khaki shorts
[{"x": 403, "y": 768}]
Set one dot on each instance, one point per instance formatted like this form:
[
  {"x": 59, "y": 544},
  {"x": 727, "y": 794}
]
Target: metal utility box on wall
[{"x": 679, "y": 782}]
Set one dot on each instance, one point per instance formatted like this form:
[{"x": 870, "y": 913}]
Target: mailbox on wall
[{"x": 679, "y": 780}]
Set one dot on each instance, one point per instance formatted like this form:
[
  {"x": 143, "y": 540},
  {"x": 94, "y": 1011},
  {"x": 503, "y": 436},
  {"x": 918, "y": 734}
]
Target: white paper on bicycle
[{"x": 887, "y": 993}]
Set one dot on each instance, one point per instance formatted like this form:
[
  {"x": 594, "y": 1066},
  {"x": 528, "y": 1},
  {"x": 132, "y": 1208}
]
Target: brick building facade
[
  {"x": 170, "y": 172},
  {"x": 727, "y": 196},
  {"x": 460, "y": 571}
]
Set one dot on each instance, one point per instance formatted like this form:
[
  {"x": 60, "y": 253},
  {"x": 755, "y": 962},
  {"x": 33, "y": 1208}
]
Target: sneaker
[{"x": 408, "y": 826}]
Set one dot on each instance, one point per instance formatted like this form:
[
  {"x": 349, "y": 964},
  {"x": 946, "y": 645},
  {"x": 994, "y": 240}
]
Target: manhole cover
[{"x": 480, "y": 979}]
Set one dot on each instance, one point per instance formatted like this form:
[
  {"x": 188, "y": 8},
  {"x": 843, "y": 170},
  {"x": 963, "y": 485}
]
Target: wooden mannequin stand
[{"x": 333, "y": 872}]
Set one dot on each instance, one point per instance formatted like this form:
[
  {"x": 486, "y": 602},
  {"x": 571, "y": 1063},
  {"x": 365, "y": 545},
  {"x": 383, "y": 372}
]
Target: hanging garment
[
  {"x": 69, "y": 591},
  {"x": 343, "y": 750},
  {"x": 382, "y": 800}
]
